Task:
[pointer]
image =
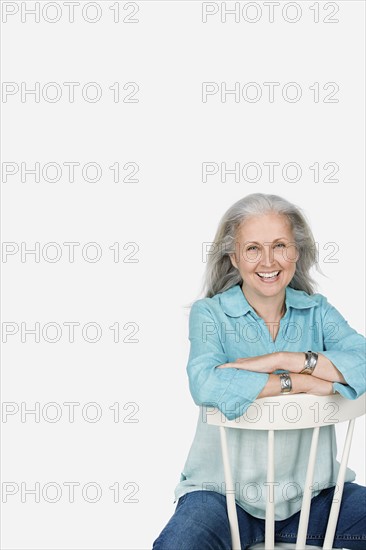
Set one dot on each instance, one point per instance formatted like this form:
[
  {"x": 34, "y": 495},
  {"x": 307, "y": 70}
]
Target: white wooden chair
[{"x": 347, "y": 409}]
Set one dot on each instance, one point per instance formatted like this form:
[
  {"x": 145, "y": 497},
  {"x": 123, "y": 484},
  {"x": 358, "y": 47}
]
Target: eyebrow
[{"x": 278, "y": 239}]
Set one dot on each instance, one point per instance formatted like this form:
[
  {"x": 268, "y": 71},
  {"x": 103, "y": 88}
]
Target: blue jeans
[{"x": 200, "y": 522}]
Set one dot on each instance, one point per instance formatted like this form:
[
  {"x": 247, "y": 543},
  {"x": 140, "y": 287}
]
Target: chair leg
[
  {"x": 230, "y": 493},
  {"x": 336, "y": 504},
  {"x": 306, "y": 501},
  {"x": 270, "y": 505}
]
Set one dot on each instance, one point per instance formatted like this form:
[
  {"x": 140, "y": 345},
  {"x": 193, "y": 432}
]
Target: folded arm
[
  {"x": 232, "y": 387},
  {"x": 292, "y": 361},
  {"x": 341, "y": 362}
]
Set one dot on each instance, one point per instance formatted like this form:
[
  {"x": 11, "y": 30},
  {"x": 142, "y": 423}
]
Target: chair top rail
[{"x": 289, "y": 412}]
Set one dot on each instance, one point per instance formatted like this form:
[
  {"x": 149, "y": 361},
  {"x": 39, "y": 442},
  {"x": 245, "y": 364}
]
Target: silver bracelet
[
  {"x": 286, "y": 384},
  {"x": 311, "y": 359}
]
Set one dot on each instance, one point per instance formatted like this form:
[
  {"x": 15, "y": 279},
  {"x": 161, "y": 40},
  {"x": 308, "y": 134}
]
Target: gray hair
[{"x": 220, "y": 274}]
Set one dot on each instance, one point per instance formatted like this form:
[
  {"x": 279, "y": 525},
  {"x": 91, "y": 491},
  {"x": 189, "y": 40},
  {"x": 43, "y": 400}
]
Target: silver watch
[
  {"x": 311, "y": 359},
  {"x": 286, "y": 384}
]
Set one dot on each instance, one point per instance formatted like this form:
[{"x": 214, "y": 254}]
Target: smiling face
[{"x": 265, "y": 255}]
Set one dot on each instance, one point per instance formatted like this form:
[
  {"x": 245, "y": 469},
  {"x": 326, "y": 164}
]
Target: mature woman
[{"x": 261, "y": 331}]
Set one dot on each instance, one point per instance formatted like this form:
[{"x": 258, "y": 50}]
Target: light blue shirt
[{"x": 224, "y": 328}]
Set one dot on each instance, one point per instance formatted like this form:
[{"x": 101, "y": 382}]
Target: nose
[{"x": 267, "y": 259}]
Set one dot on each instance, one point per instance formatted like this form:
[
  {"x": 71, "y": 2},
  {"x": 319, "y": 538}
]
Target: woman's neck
[{"x": 270, "y": 309}]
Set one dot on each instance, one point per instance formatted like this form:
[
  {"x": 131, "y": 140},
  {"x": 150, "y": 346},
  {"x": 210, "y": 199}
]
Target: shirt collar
[{"x": 234, "y": 303}]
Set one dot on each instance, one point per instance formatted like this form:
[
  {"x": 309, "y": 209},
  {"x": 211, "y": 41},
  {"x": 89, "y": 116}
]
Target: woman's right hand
[
  {"x": 301, "y": 383},
  {"x": 318, "y": 386}
]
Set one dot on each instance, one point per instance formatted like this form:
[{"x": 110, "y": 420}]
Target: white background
[{"x": 169, "y": 213}]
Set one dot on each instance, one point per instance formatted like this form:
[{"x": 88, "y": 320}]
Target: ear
[{"x": 233, "y": 260}]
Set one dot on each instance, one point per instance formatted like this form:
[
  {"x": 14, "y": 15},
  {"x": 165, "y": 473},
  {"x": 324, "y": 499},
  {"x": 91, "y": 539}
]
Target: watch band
[
  {"x": 286, "y": 384},
  {"x": 311, "y": 359}
]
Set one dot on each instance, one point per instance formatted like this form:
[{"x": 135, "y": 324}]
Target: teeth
[{"x": 269, "y": 275}]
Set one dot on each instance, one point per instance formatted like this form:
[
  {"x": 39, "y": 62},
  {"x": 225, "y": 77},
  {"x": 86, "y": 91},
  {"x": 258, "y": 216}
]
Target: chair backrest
[{"x": 289, "y": 412}]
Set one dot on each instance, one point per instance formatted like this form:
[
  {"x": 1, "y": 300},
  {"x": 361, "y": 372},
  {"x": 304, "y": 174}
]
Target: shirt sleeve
[
  {"x": 231, "y": 390},
  {"x": 346, "y": 349}
]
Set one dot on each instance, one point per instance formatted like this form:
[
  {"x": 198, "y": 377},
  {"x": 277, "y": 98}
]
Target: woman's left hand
[
  {"x": 292, "y": 361},
  {"x": 262, "y": 363}
]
